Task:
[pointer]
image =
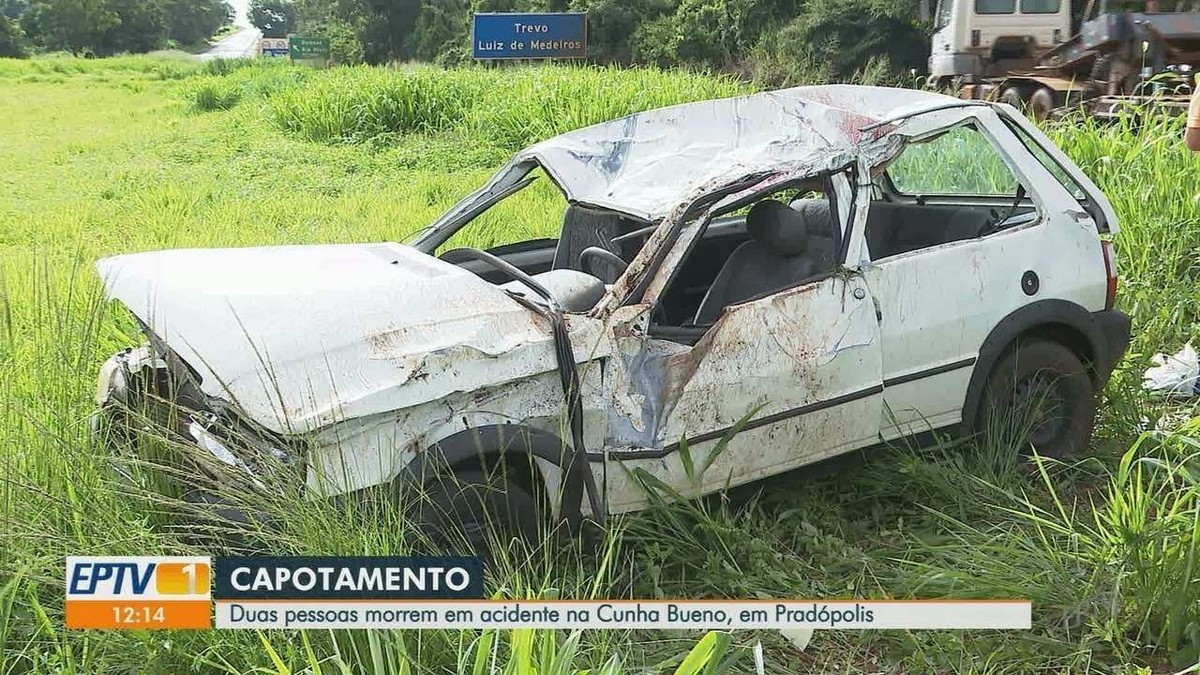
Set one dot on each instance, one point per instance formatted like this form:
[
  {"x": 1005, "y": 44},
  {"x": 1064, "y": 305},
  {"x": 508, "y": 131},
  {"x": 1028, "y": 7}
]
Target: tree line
[
  {"x": 777, "y": 41},
  {"x": 774, "y": 41},
  {"x": 106, "y": 27}
]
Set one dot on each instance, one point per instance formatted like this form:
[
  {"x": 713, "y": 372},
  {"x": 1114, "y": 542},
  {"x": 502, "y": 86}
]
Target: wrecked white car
[{"x": 820, "y": 269}]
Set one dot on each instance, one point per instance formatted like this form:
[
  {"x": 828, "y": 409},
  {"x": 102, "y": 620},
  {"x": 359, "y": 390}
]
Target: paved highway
[{"x": 235, "y": 45}]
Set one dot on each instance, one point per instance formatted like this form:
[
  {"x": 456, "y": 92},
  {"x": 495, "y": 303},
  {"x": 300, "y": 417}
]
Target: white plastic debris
[
  {"x": 799, "y": 637},
  {"x": 1177, "y": 375}
]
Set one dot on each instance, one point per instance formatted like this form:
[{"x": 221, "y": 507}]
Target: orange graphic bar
[
  {"x": 181, "y": 578},
  {"x": 139, "y": 614}
]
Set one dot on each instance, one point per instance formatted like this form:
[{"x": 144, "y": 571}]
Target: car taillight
[{"x": 1110, "y": 269}]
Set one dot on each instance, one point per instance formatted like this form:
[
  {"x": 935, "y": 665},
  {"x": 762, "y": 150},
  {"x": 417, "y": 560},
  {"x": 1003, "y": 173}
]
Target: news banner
[{"x": 176, "y": 592}]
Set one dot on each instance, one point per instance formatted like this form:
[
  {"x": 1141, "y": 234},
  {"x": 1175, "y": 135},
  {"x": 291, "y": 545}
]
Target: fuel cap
[{"x": 1030, "y": 282}]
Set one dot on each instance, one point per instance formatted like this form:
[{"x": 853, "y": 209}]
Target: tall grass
[
  {"x": 61, "y": 67},
  {"x": 508, "y": 108},
  {"x": 358, "y": 103},
  {"x": 1153, "y": 182},
  {"x": 223, "y": 83}
]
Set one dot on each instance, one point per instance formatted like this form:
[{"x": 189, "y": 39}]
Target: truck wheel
[
  {"x": 1012, "y": 96},
  {"x": 474, "y": 508},
  {"x": 1041, "y": 104},
  {"x": 945, "y": 84},
  {"x": 1102, "y": 67},
  {"x": 1039, "y": 394}
]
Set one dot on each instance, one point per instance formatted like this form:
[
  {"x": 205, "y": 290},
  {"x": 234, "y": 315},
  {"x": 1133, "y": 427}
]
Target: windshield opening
[
  {"x": 574, "y": 251},
  {"x": 533, "y": 212}
]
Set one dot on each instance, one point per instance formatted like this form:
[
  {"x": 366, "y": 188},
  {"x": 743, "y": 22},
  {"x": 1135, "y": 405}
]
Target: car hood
[{"x": 300, "y": 337}]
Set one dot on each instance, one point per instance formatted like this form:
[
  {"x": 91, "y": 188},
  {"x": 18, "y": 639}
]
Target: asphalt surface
[{"x": 235, "y": 45}]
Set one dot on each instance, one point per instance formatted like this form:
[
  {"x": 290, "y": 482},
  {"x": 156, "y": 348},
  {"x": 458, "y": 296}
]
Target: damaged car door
[{"x": 794, "y": 368}]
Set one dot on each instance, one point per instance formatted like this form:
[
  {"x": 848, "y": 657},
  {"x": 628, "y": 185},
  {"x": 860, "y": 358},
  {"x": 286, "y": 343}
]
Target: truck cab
[{"x": 974, "y": 39}]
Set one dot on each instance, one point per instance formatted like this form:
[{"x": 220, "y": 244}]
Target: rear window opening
[{"x": 954, "y": 186}]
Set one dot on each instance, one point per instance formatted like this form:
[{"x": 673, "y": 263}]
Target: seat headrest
[
  {"x": 779, "y": 228},
  {"x": 818, "y": 219}
]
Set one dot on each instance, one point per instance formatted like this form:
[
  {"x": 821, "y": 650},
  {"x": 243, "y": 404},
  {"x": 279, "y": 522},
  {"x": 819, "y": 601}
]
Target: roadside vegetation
[
  {"x": 137, "y": 153},
  {"x": 107, "y": 27},
  {"x": 774, "y": 41},
  {"x": 778, "y": 41}
]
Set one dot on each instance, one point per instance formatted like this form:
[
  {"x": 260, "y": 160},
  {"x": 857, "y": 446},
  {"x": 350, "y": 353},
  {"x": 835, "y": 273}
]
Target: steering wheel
[
  {"x": 604, "y": 255},
  {"x": 456, "y": 255}
]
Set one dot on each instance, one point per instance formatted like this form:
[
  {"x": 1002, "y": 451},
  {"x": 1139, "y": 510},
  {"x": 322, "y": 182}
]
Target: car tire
[
  {"x": 1045, "y": 388},
  {"x": 472, "y": 507}
]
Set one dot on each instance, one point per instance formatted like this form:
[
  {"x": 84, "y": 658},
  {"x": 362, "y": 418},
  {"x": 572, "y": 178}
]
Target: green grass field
[{"x": 100, "y": 157}]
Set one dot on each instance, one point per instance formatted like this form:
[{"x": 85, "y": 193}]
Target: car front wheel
[
  {"x": 1039, "y": 395},
  {"x": 478, "y": 510}
]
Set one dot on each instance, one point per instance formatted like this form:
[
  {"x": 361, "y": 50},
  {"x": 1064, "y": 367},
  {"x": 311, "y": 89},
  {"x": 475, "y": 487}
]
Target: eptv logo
[
  {"x": 138, "y": 592},
  {"x": 90, "y": 576}
]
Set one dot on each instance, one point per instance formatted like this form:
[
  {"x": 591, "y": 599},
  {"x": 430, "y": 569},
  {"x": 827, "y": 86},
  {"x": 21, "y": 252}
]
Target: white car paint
[
  {"x": 970, "y": 284},
  {"x": 302, "y": 337}
]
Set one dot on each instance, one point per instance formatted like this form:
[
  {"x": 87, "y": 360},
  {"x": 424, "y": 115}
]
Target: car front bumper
[
  {"x": 214, "y": 477},
  {"x": 136, "y": 394},
  {"x": 1114, "y": 327},
  {"x": 120, "y": 369}
]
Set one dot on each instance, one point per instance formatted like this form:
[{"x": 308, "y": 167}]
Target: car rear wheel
[
  {"x": 475, "y": 509},
  {"x": 1039, "y": 395}
]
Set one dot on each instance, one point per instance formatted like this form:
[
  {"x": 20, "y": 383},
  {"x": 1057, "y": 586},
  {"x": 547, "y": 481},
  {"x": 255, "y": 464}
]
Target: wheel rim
[{"x": 1041, "y": 406}]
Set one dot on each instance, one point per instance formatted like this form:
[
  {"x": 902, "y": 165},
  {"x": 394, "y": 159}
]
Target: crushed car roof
[{"x": 643, "y": 163}]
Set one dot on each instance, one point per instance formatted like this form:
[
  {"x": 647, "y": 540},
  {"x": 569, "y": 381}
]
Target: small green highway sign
[{"x": 308, "y": 48}]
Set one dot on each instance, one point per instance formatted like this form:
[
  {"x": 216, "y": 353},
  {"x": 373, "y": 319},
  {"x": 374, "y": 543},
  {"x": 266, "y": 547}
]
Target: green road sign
[{"x": 301, "y": 48}]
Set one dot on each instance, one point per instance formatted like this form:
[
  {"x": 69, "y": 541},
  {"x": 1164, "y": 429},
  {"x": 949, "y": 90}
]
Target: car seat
[{"x": 774, "y": 258}]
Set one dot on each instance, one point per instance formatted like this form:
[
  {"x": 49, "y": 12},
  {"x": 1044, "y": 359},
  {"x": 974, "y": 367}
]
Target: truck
[{"x": 1024, "y": 53}]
